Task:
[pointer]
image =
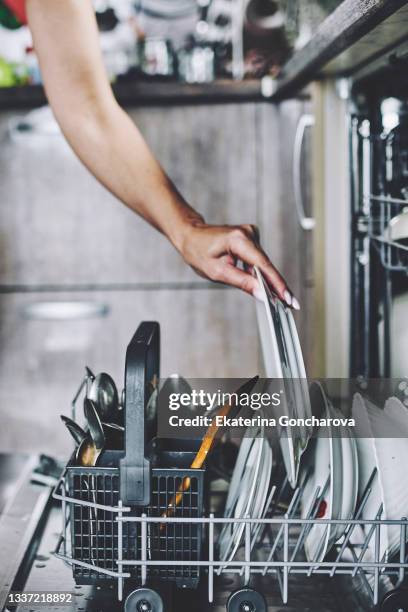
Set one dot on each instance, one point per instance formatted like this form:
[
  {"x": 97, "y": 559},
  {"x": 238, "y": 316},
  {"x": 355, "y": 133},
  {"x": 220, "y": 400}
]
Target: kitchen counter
[{"x": 148, "y": 93}]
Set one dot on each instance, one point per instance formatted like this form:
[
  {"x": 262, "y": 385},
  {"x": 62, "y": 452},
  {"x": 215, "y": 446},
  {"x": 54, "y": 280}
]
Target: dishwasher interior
[
  {"x": 379, "y": 194},
  {"x": 146, "y": 529}
]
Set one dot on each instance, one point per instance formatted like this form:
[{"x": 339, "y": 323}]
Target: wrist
[{"x": 184, "y": 228}]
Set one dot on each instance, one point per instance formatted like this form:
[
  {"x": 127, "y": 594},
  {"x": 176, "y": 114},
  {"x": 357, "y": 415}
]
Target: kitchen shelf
[
  {"x": 143, "y": 93},
  {"x": 352, "y": 36}
]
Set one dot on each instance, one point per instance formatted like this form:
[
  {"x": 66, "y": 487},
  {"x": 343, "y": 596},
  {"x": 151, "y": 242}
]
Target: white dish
[
  {"x": 321, "y": 477},
  {"x": 267, "y": 334},
  {"x": 392, "y": 460},
  {"x": 397, "y": 228},
  {"x": 332, "y": 464},
  {"x": 367, "y": 464},
  {"x": 264, "y": 479},
  {"x": 301, "y": 408},
  {"x": 283, "y": 359},
  {"x": 306, "y": 411},
  {"x": 231, "y": 534},
  {"x": 349, "y": 478},
  {"x": 265, "y": 493},
  {"x": 242, "y": 458}
]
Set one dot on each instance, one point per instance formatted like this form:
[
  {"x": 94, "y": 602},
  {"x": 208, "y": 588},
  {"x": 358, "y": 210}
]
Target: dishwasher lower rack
[{"x": 148, "y": 545}]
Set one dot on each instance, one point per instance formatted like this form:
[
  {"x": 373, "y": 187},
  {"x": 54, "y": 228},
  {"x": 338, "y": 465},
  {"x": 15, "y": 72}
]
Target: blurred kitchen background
[{"x": 251, "y": 107}]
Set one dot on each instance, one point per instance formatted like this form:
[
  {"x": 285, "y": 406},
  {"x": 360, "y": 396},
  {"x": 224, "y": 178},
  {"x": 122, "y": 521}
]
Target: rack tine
[
  {"x": 310, "y": 525},
  {"x": 259, "y": 526},
  {"x": 311, "y": 513},
  {"x": 292, "y": 506},
  {"x": 403, "y": 539},
  {"x": 247, "y": 551},
  {"x": 362, "y": 572},
  {"x": 357, "y": 515},
  {"x": 376, "y": 569},
  {"x": 211, "y": 559},
  {"x": 280, "y": 580},
  {"x": 285, "y": 559},
  {"x": 386, "y": 199},
  {"x": 367, "y": 540}
]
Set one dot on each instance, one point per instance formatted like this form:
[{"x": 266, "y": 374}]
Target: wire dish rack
[
  {"x": 383, "y": 193},
  {"x": 271, "y": 546},
  {"x": 379, "y": 239},
  {"x": 393, "y": 253},
  {"x": 139, "y": 515}
]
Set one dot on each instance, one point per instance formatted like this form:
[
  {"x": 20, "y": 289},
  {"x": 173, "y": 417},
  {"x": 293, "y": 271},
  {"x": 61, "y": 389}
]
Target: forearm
[
  {"x": 100, "y": 132},
  {"x": 102, "y": 135},
  {"x": 111, "y": 146}
]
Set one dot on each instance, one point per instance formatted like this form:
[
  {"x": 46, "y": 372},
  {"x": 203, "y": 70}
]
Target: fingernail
[
  {"x": 295, "y": 304},
  {"x": 287, "y": 297},
  {"x": 257, "y": 293}
]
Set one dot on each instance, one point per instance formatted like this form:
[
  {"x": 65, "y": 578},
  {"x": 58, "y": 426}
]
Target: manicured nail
[
  {"x": 287, "y": 297},
  {"x": 257, "y": 293},
  {"x": 295, "y": 304}
]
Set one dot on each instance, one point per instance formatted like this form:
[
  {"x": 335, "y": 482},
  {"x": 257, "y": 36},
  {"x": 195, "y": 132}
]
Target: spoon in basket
[{"x": 91, "y": 447}]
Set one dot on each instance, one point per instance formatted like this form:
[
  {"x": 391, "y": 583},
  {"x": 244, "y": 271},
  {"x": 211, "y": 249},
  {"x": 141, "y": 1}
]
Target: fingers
[
  {"x": 242, "y": 245},
  {"x": 230, "y": 275},
  {"x": 252, "y": 230}
]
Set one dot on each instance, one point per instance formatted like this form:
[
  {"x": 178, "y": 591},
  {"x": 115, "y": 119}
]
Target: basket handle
[{"x": 142, "y": 364}]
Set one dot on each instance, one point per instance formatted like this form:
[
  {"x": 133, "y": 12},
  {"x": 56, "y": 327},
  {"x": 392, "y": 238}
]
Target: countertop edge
[{"x": 145, "y": 93}]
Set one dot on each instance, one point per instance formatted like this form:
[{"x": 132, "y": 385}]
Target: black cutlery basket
[{"x": 145, "y": 477}]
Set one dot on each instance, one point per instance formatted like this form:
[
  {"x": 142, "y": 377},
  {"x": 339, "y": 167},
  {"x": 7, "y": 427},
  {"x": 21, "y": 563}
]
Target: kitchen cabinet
[
  {"x": 204, "y": 333},
  {"x": 59, "y": 227}
]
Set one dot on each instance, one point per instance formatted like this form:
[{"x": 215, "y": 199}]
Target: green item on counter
[
  {"x": 7, "y": 18},
  {"x": 12, "y": 74},
  {"x": 7, "y": 76}
]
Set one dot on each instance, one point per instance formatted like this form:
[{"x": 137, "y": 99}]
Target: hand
[{"x": 214, "y": 250}]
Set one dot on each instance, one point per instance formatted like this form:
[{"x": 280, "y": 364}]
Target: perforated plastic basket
[{"x": 146, "y": 478}]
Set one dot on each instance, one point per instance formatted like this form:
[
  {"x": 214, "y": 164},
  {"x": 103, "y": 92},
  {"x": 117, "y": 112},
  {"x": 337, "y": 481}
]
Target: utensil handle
[{"x": 142, "y": 366}]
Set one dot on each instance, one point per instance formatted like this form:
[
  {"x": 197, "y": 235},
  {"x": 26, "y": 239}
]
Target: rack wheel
[
  {"x": 143, "y": 600},
  {"x": 246, "y": 600},
  {"x": 395, "y": 601}
]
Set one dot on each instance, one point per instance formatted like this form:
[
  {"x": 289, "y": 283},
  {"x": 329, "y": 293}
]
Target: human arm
[{"x": 110, "y": 145}]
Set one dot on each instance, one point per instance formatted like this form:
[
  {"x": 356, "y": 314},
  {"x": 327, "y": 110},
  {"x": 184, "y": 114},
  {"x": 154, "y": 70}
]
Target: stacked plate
[
  {"x": 382, "y": 448},
  {"x": 283, "y": 359},
  {"x": 249, "y": 490},
  {"x": 338, "y": 467},
  {"x": 330, "y": 480}
]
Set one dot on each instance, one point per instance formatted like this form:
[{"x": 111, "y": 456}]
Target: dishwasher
[{"x": 141, "y": 529}]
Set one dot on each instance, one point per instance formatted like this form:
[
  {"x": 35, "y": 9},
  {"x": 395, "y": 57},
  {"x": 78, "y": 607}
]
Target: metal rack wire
[
  {"x": 393, "y": 254},
  {"x": 271, "y": 546},
  {"x": 379, "y": 193}
]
